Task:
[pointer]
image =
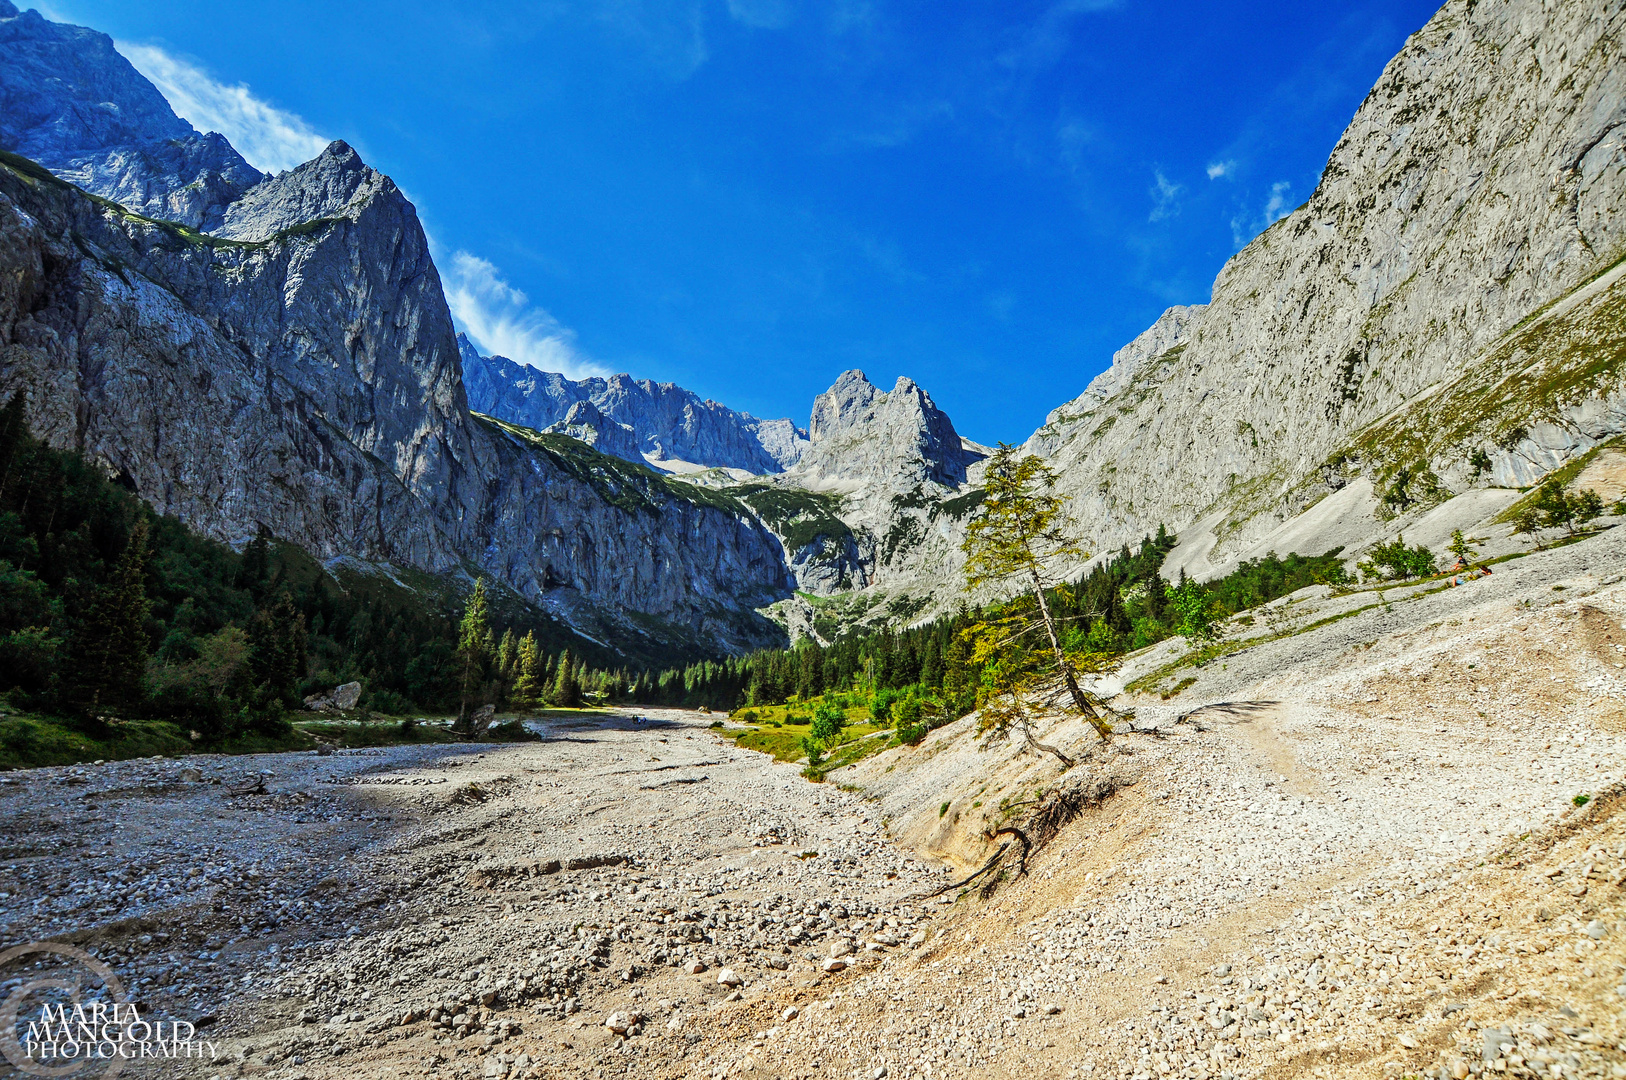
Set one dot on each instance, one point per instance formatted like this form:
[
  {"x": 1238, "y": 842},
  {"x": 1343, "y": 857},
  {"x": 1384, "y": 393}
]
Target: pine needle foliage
[{"x": 1029, "y": 666}]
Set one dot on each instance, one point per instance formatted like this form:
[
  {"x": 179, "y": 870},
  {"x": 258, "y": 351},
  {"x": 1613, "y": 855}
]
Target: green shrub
[
  {"x": 1396, "y": 560},
  {"x": 880, "y": 706},
  {"x": 828, "y": 722}
]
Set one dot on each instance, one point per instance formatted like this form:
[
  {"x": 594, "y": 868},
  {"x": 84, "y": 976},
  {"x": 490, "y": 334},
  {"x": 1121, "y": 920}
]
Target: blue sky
[{"x": 748, "y": 197}]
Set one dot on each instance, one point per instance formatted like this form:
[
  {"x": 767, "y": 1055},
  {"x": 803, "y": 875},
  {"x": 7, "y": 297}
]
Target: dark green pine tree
[
  {"x": 931, "y": 668},
  {"x": 277, "y": 658},
  {"x": 255, "y": 568},
  {"x": 567, "y": 693},
  {"x": 13, "y": 432},
  {"x": 109, "y": 649}
]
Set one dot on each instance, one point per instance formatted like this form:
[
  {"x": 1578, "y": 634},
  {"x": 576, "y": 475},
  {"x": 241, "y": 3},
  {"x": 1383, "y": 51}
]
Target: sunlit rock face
[
  {"x": 642, "y": 419},
  {"x": 69, "y": 101}
]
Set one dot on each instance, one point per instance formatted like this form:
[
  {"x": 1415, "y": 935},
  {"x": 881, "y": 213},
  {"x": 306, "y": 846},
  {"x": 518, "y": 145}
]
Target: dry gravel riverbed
[
  {"x": 1356, "y": 851},
  {"x": 458, "y": 908}
]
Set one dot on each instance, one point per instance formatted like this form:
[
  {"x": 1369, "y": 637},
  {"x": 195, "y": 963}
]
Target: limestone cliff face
[
  {"x": 295, "y": 365},
  {"x": 884, "y": 483},
  {"x": 309, "y": 381},
  {"x": 663, "y": 421},
  {"x": 109, "y": 323},
  {"x": 862, "y": 437},
  {"x": 69, "y": 101},
  {"x": 1479, "y": 185}
]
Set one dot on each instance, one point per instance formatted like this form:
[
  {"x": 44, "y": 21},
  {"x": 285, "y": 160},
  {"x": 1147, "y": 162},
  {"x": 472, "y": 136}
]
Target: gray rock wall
[
  {"x": 69, "y": 101},
  {"x": 1481, "y": 179},
  {"x": 309, "y": 382},
  {"x": 665, "y": 421}
]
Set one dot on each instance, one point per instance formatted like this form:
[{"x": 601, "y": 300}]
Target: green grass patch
[
  {"x": 784, "y": 743},
  {"x": 30, "y": 741}
]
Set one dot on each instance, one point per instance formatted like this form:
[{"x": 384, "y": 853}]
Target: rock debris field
[{"x": 1389, "y": 846}]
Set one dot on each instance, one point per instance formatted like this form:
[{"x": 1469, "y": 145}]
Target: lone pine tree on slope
[{"x": 1028, "y": 667}]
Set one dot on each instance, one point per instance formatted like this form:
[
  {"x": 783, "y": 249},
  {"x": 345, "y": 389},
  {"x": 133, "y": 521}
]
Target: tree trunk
[
  {"x": 1035, "y": 744},
  {"x": 1080, "y": 702}
]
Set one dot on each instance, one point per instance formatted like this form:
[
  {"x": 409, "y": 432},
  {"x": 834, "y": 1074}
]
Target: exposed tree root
[
  {"x": 987, "y": 866},
  {"x": 1052, "y": 814}
]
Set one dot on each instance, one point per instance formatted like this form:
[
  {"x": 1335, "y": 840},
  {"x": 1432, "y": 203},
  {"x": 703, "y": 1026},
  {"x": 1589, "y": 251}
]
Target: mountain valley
[{"x": 1363, "y": 818}]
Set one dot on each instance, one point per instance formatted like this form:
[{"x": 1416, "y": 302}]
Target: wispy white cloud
[
  {"x": 502, "y": 321},
  {"x": 762, "y": 14},
  {"x": 270, "y": 138},
  {"x": 1245, "y": 226},
  {"x": 1165, "y": 197},
  {"x": 1047, "y": 39},
  {"x": 1218, "y": 170},
  {"x": 1278, "y": 207}
]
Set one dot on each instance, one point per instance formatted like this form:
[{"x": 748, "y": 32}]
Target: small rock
[
  {"x": 1596, "y": 930},
  {"x": 726, "y": 977},
  {"x": 834, "y": 964},
  {"x": 790, "y": 1014},
  {"x": 696, "y": 967},
  {"x": 618, "y": 1022},
  {"x": 1052, "y": 1010}
]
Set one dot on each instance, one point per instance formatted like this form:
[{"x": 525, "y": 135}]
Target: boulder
[{"x": 339, "y": 699}]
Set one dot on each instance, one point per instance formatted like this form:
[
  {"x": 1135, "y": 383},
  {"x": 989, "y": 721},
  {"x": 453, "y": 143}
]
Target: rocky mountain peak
[
  {"x": 66, "y": 90},
  {"x": 850, "y": 401},
  {"x": 584, "y": 422},
  {"x": 69, "y": 101},
  {"x": 334, "y": 184},
  {"x": 899, "y": 439},
  {"x": 664, "y": 422}
]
